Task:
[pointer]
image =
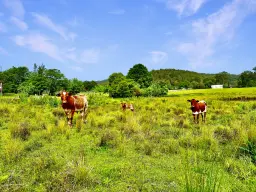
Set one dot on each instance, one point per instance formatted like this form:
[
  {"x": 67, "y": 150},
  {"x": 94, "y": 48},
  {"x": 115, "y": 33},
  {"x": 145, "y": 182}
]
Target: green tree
[
  {"x": 55, "y": 80},
  {"x": 75, "y": 86},
  {"x": 89, "y": 85},
  {"x": 247, "y": 79},
  {"x": 115, "y": 77},
  {"x": 13, "y": 77},
  {"x": 222, "y": 78},
  {"x": 123, "y": 88},
  {"x": 140, "y": 74}
]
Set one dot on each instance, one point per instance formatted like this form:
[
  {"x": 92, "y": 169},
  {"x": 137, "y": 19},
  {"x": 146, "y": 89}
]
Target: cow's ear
[
  {"x": 189, "y": 100},
  {"x": 197, "y": 101},
  {"x": 58, "y": 94}
]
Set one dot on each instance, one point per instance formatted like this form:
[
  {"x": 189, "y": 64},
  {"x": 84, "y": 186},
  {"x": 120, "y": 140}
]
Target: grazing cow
[
  {"x": 127, "y": 106},
  {"x": 72, "y": 103},
  {"x": 198, "y": 107}
]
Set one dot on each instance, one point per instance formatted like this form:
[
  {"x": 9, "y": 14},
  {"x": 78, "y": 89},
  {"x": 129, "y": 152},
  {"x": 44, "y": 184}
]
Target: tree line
[
  {"x": 40, "y": 81},
  {"x": 138, "y": 81}
]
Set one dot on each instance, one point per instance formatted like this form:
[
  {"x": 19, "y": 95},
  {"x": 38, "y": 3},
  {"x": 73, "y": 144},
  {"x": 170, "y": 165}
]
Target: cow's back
[
  {"x": 80, "y": 102},
  {"x": 202, "y": 106}
]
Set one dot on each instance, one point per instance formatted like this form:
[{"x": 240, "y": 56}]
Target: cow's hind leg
[
  {"x": 204, "y": 116},
  {"x": 197, "y": 117},
  {"x": 84, "y": 114}
]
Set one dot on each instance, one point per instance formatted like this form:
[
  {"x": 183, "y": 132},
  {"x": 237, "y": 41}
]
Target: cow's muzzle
[{"x": 64, "y": 101}]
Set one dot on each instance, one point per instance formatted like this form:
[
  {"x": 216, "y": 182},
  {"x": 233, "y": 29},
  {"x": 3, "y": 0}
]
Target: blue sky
[{"x": 90, "y": 39}]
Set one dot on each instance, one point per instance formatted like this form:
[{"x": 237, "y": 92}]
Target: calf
[
  {"x": 127, "y": 106},
  {"x": 198, "y": 107},
  {"x": 71, "y": 103}
]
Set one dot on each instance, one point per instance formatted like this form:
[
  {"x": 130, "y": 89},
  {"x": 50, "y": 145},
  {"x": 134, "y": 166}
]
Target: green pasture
[{"x": 156, "y": 148}]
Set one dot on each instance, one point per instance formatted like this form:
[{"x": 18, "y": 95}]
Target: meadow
[{"x": 156, "y": 148}]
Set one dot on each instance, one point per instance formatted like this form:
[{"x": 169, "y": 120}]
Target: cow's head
[
  {"x": 123, "y": 105},
  {"x": 193, "y": 102},
  {"x": 64, "y": 96}
]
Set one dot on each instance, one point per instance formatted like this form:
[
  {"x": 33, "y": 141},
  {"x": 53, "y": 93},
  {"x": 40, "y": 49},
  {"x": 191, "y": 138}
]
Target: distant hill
[
  {"x": 177, "y": 77},
  {"x": 102, "y": 82}
]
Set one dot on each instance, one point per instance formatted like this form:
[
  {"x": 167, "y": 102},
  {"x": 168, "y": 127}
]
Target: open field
[{"x": 156, "y": 148}]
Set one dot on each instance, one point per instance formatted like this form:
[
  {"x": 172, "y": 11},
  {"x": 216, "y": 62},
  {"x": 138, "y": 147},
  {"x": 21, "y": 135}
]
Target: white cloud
[
  {"x": 184, "y": 7},
  {"x": 16, "y": 7},
  {"x": 19, "y": 23},
  {"x": 38, "y": 43},
  {"x": 90, "y": 56},
  {"x": 3, "y": 51},
  {"x": 158, "y": 57},
  {"x": 3, "y": 27},
  {"x": 48, "y": 23},
  {"x": 217, "y": 28},
  {"x": 117, "y": 12}
]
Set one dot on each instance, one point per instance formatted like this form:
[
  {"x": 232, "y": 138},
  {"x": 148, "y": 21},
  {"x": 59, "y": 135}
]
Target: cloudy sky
[{"x": 90, "y": 39}]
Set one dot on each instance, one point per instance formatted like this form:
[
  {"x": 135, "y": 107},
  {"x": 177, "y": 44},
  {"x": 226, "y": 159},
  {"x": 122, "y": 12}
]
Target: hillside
[{"x": 177, "y": 77}]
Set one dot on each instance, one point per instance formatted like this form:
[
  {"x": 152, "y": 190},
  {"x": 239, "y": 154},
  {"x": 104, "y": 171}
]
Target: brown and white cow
[
  {"x": 74, "y": 103},
  {"x": 198, "y": 107},
  {"x": 127, "y": 106}
]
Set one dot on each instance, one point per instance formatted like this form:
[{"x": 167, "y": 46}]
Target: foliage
[
  {"x": 43, "y": 80},
  {"x": 189, "y": 79},
  {"x": 122, "y": 88},
  {"x": 247, "y": 79},
  {"x": 101, "y": 88},
  {"x": 115, "y": 77},
  {"x": 222, "y": 78},
  {"x": 250, "y": 149},
  {"x": 140, "y": 74},
  {"x": 89, "y": 85},
  {"x": 75, "y": 86},
  {"x": 13, "y": 77},
  {"x": 156, "y": 90}
]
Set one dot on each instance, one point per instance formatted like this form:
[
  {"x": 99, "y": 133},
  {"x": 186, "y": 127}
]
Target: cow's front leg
[
  {"x": 197, "y": 117},
  {"x": 68, "y": 114},
  {"x": 194, "y": 118},
  {"x": 71, "y": 118}
]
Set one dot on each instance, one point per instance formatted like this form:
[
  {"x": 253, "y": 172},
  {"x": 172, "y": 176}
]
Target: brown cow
[
  {"x": 198, "y": 107},
  {"x": 71, "y": 103},
  {"x": 127, "y": 106}
]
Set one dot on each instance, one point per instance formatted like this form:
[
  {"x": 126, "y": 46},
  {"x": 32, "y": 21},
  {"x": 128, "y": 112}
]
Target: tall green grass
[{"x": 155, "y": 148}]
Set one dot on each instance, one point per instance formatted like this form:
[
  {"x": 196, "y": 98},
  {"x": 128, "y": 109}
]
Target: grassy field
[{"x": 156, "y": 148}]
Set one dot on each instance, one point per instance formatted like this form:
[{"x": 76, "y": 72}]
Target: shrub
[
  {"x": 123, "y": 88},
  {"x": 22, "y": 131},
  {"x": 156, "y": 90},
  {"x": 249, "y": 148}
]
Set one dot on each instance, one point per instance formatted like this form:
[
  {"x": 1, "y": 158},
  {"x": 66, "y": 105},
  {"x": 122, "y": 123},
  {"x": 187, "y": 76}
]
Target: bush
[
  {"x": 21, "y": 131},
  {"x": 123, "y": 88},
  {"x": 156, "y": 90}
]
